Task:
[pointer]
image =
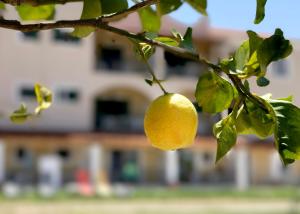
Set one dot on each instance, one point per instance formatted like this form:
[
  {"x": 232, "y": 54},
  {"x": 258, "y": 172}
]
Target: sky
[{"x": 239, "y": 14}]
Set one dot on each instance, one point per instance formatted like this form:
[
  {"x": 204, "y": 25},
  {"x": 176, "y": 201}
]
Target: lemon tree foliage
[
  {"x": 91, "y": 9},
  {"x": 171, "y": 120},
  {"x": 226, "y": 134},
  {"x": 214, "y": 93},
  {"x": 260, "y": 11},
  {"x": 287, "y": 130},
  {"x": 29, "y": 13},
  {"x": 43, "y": 99}
]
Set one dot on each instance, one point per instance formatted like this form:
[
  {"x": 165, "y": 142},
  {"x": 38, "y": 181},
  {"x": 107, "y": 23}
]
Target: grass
[
  {"x": 187, "y": 192},
  {"x": 161, "y": 200},
  {"x": 286, "y": 192}
]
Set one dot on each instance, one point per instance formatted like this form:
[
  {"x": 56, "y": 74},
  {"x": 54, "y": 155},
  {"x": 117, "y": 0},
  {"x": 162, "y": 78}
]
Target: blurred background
[{"x": 88, "y": 152}]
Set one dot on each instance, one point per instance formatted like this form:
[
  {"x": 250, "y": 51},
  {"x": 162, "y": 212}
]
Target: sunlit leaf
[
  {"x": 113, "y": 6},
  {"x": 150, "y": 20},
  {"x": 91, "y": 9},
  {"x": 28, "y": 12},
  {"x": 272, "y": 49},
  {"x": 287, "y": 130},
  {"x": 199, "y": 5},
  {"x": 251, "y": 119},
  {"x": 167, "y": 41},
  {"x": 214, "y": 93},
  {"x": 260, "y": 11},
  {"x": 167, "y": 6},
  {"x": 187, "y": 41},
  {"x": 20, "y": 115},
  {"x": 43, "y": 97},
  {"x": 225, "y": 132}
]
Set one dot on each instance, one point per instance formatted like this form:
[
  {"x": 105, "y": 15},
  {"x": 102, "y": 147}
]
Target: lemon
[{"x": 171, "y": 122}]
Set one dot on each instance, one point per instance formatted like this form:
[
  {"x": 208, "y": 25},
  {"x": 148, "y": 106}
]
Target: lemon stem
[{"x": 154, "y": 76}]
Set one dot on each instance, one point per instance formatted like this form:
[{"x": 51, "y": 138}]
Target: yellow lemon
[{"x": 171, "y": 122}]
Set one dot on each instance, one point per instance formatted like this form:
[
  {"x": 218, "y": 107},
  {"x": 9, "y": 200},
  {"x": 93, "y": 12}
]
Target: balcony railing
[
  {"x": 121, "y": 123},
  {"x": 135, "y": 124}
]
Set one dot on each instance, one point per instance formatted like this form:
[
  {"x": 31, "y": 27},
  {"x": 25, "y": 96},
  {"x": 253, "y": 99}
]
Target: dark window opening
[
  {"x": 33, "y": 35},
  {"x": 186, "y": 166},
  {"x": 69, "y": 95},
  {"x": 180, "y": 66},
  {"x": 27, "y": 92},
  {"x": 21, "y": 154},
  {"x": 62, "y": 36},
  {"x": 64, "y": 154},
  {"x": 111, "y": 115},
  {"x": 109, "y": 58},
  {"x": 175, "y": 63}
]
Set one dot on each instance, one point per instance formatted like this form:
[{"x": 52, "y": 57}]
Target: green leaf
[
  {"x": 113, "y": 6},
  {"x": 254, "y": 41},
  {"x": 167, "y": 40},
  {"x": 241, "y": 56},
  {"x": 214, "y": 93},
  {"x": 199, "y": 5},
  {"x": 167, "y": 6},
  {"x": 150, "y": 20},
  {"x": 287, "y": 130},
  {"x": 149, "y": 82},
  {"x": 255, "y": 54},
  {"x": 289, "y": 98},
  {"x": 272, "y": 49},
  {"x": 187, "y": 41},
  {"x": 20, "y": 115},
  {"x": 225, "y": 132},
  {"x": 262, "y": 81},
  {"x": 260, "y": 11},
  {"x": 91, "y": 9},
  {"x": 28, "y": 12},
  {"x": 2, "y": 6},
  {"x": 43, "y": 97},
  {"x": 253, "y": 120}
]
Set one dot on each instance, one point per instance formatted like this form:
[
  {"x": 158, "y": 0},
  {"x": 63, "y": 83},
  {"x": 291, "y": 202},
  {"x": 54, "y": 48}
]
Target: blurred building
[{"x": 96, "y": 120}]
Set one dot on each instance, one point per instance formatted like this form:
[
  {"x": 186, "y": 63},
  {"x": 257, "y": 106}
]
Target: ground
[{"x": 165, "y": 201}]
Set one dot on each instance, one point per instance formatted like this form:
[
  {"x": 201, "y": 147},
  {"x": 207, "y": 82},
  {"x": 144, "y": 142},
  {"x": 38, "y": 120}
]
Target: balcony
[{"x": 120, "y": 124}]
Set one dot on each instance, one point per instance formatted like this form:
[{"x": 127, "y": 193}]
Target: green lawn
[
  {"x": 190, "y": 192},
  {"x": 159, "y": 200}
]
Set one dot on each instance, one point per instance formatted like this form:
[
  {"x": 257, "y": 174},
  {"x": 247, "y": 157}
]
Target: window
[
  {"x": 179, "y": 66},
  {"x": 64, "y": 154},
  {"x": 23, "y": 157},
  {"x": 111, "y": 115},
  {"x": 68, "y": 95},
  {"x": 33, "y": 35},
  {"x": 27, "y": 92},
  {"x": 64, "y": 36},
  {"x": 280, "y": 68},
  {"x": 109, "y": 58}
]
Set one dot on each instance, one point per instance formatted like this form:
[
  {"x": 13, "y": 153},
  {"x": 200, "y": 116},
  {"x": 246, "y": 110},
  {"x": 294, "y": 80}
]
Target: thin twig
[{"x": 156, "y": 80}]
